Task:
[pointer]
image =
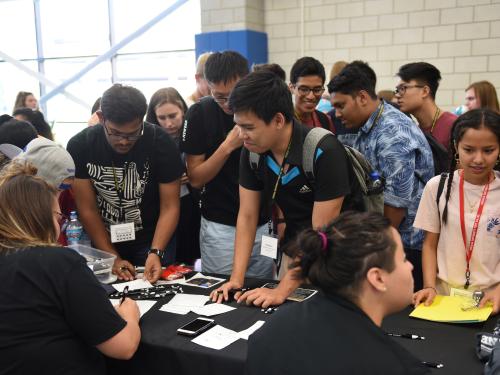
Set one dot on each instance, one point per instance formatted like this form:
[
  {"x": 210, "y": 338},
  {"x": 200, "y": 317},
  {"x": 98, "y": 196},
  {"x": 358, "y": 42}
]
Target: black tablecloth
[
  {"x": 162, "y": 350},
  {"x": 450, "y": 344}
]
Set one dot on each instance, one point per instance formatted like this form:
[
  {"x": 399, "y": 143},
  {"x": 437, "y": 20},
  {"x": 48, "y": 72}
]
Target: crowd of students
[{"x": 227, "y": 178}]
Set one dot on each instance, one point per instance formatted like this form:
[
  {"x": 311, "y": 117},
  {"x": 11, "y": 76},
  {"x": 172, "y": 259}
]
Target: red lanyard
[{"x": 469, "y": 249}]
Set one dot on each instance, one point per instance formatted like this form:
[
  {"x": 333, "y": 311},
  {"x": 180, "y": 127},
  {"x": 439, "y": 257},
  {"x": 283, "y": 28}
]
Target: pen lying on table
[
  {"x": 410, "y": 336},
  {"x": 433, "y": 364}
]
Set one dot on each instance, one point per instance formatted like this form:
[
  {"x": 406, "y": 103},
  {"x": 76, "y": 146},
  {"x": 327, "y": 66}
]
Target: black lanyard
[{"x": 276, "y": 185}]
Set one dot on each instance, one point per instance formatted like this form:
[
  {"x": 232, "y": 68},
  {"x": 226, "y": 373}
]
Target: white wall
[{"x": 460, "y": 37}]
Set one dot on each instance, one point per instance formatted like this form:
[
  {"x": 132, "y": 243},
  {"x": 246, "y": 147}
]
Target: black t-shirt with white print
[{"x": 154, "y": 159}]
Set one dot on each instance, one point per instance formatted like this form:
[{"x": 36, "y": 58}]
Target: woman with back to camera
[
  {"x": 167, "y": 109},
  {"x": 457, "y": 252},
  {"x": 55, "y": 317},
  {"x": 359, "y": 265}
]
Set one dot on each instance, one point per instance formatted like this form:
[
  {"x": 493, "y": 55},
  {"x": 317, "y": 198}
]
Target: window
[{"x": 74, "y": 33}]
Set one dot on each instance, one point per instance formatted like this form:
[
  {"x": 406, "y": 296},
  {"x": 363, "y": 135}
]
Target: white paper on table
[
  {"x": 216, "y": 338},
  {"x": 133, "y": 285},
  {"x": 182, "y": 310},
  {"x": 169, "y": 282},
  {"x": 212, "y": 309},
  {"x": 245, "y": 334},
  {"x": 144, "y": 305},
  {"x": 183, "y": 303}
]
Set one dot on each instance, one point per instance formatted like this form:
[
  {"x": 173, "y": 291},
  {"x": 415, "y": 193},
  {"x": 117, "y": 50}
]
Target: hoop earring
[{"x": 457, "y": 158}]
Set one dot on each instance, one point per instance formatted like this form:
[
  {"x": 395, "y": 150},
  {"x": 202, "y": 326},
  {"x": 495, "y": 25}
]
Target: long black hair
[{"x": 475, "y": 119}]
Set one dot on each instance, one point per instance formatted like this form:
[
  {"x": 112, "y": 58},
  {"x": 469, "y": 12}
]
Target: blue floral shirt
[{"x": 397, "y": 149}]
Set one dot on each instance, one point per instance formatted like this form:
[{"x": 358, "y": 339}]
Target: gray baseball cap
[{"x": 53, "y": 162}]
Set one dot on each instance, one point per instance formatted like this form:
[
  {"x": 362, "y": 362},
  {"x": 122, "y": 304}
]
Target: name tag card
[
  {"x": 122, "y": 232},
  {"x": 269, "y": 246}
]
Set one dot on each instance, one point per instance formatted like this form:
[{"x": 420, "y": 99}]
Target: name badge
[
  {"x": 122, "y": 232},
  {"x": 269, "y": 246},
  {"x": 455, "y": 292}
]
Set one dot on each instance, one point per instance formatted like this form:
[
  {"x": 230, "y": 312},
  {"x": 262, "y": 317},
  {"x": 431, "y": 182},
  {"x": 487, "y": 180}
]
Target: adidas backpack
[{"x": 372, "y": 195}]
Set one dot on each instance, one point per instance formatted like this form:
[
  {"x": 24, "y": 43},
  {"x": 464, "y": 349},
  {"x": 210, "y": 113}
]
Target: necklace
[
  {"x": 434, "y": 120},
  {"x": 471, "y": 205}
]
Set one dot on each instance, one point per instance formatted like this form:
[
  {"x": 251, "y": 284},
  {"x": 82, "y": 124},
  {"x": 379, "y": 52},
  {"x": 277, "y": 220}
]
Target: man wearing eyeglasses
[
  {"x": 394, "y": 146},
  {"x": 307, "y": 80},
  {"x": 416, "y": 94},
  {"x": 212, "y": 146},
  {"x": 127, "y": 184}
]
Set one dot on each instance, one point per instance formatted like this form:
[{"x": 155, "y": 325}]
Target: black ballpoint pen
[
  {"x": 410, "y": 336},
  {"x": 124, "y": 294},
  {"x": 433, "y": 364}
]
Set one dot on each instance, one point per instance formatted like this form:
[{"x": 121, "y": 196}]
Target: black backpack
[{"x": 440, "y": 155}]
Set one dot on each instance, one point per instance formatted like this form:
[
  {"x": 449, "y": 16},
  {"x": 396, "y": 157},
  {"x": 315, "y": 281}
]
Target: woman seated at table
[
  {"x": 462, "y": 232},
  {"x": 55, "y": 317},
  {"x": 359, "y": 266}
]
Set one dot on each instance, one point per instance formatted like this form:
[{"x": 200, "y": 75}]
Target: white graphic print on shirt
[{"x": 108, "y": 201}]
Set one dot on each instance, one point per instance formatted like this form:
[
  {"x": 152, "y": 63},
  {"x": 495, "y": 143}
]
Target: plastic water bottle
[
  {"x": 377, "y": 184},
  {"x": 74, "y": 229}
]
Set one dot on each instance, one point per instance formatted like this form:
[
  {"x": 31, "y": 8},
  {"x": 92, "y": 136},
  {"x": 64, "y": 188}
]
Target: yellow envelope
[{"x": 449, "y": 309}]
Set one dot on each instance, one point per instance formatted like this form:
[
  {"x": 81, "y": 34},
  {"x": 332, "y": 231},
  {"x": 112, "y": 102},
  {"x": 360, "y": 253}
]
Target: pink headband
[{"x": 324, "y": 241}]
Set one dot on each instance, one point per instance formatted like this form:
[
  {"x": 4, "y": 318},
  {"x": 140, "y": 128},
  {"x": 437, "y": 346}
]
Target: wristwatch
[{"x": 158, "y": 252}]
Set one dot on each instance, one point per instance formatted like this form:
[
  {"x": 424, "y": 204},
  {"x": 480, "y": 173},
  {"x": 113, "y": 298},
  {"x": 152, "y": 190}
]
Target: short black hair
[
  {"x": 36, "y": 119},
  {"x": 355, "y": 77},
  {"x": 264, "y": 94},
  {"x": 4, "y": 118},
  {"x": 122, "y": 104},
  {"x": 96, "y": 106},
  {"x": 17, "y": 133},
  {"x": 275, "y": 68},
  {"x": 307, "y": 66},
  {"x": 222, "y": 67},
  {"x": 425, "y": 73}
]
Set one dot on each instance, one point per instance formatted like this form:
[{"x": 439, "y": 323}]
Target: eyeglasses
[
  {"x": 401, "y": 89},
  {"x": 131, "y": 138},
  {"x": 304, "y": 90}
]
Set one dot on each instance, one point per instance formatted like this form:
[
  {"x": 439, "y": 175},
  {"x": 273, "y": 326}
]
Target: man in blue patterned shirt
[{"x": 394, "y": 145}]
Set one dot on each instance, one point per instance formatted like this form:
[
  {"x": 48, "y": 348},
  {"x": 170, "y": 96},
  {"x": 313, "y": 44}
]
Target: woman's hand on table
[{"x": 425, "y": 295}]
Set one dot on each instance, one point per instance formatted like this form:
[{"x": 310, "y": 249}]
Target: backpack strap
[
  {"x": 360, "y": 166},
  {"x": 323, "y": 120},
  {"x": 309, "y": 147}
]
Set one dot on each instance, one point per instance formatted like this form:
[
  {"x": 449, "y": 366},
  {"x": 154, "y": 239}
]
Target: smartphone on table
[{"x": 195, "y": 327}]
